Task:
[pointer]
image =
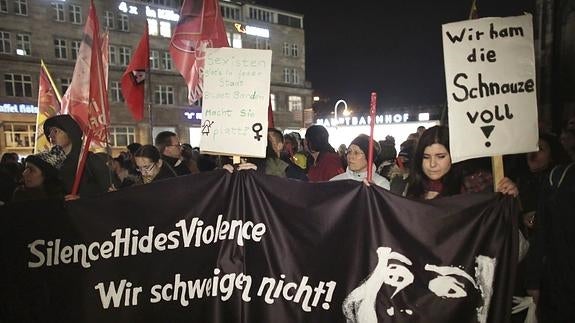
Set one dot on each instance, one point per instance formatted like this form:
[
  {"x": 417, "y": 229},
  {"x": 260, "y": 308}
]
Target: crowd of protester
[{"x": 544, "y": 182}]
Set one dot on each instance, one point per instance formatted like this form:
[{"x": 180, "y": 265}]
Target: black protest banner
[{"x": 244, "y": 247}]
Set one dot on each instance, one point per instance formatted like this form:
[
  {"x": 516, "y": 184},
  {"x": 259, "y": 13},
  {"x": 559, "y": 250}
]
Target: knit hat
[
  {"x": 406, "y": 153},
  {"x": 65, "y": 123},
  {"x": 362, "y": 141},
  {"x": 49, "y": 162}
]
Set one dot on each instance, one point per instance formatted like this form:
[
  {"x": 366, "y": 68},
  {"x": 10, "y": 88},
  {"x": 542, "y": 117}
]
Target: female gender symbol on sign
[{"x": 257, "y": 127}]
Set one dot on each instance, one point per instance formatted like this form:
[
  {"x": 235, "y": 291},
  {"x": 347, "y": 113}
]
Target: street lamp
[{"x": 346, "y": 112}]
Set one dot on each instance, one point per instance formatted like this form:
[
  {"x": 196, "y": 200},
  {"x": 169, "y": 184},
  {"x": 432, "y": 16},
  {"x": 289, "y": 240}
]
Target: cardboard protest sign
[
  {"x": 490, "y": 79},
  {"x": 236, "y": 97}
]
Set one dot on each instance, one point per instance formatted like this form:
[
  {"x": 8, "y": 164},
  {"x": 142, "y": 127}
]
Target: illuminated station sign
[{"x": 364, "y": 120}]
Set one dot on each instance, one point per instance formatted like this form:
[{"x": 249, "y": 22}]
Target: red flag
[
  {"x": 92, "y": 112},
  {"x": 99, "y": 110},
  {"x": 48, "y": 106},
  {"x": 87, "y": 99},
  {"x": 135, "y": 76},
  {"x": 270, "y": 114},
  {"x": 200, "y": 26}
]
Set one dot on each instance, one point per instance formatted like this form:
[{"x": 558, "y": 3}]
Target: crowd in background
[{"x": 421, "y": 169}]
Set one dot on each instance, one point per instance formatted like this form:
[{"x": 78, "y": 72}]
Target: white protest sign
[
  {"x": 490, "y": 78},
  {"x": 235, "y": 101}
]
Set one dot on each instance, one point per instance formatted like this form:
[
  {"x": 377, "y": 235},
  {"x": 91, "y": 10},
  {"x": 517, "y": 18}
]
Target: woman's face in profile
[{"x": 436, "y": 161}]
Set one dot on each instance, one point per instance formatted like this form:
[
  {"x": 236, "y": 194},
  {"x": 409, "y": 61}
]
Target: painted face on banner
[{"x": 436, "y": 161}]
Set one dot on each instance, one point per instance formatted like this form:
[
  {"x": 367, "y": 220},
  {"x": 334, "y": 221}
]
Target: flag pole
[
  {"x": 81, "y": 163},
  {"x": 372, "y": 108},
  {"x": 58, "y": 96},
  {"x": 149, "y": 93}
]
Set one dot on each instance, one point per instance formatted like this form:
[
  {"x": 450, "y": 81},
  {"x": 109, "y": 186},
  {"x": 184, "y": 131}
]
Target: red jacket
[{"x": 326, "y": 166}]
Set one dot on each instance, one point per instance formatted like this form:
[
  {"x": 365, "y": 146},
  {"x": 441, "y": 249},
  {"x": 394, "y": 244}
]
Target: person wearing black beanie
[
  {"x": 357, "y": 163},
  {"x": 64, "y": 131},
  {"x": 40, "y": 176}
]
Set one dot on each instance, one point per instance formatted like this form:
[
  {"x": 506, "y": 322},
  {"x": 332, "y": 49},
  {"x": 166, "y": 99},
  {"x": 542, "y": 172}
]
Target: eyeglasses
[
  {"x": 353, "y": 152},
  {"x": 53, "y": 130},
  {"x": 146, "y": 169},
  {"x": 179, "y": 145}
]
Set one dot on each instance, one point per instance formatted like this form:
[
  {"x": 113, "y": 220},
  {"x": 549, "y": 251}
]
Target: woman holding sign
[{"x": 432, "y": 173}]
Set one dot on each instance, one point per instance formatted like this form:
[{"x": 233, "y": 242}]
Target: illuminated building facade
[{"x": 31, "y": 30}]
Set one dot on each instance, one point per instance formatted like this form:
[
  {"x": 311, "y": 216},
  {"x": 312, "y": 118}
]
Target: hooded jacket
[{"x": 95, "y": 179}]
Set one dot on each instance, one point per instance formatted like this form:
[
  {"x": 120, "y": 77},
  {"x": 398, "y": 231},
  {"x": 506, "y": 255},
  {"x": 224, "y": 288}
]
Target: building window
[
  {"x": 75, "y": 14},
  {"x": 23, "y": 46},
  {"x": 109, "y": 20},
  {"x": 124, "y": 55},
  {"x": 21, "y": 7},
  {"x": 289, "y": 21},
  {"x": 287, "y": 75},
  {"x": 65, "y": 84},
  {"x": 123, "y": 22},
  {"x": 59, "y": 12},
  {"x": 294, "y": 50},
  {"x": 231, "y": 13},
  {"x": 18, "y": 85},
  {"x": 262, "y": 43},
  {"x": 120, "y": 137},
  {"x": 167, "y": 61},
  {"x": 3, "y": 5},
  {"x": 164, "y": 94},
  {"x": 60, "y": 49},
  {"x": 286, "y": 49},
  {"x": 273, "y": 101},
  {"x": 291, "y": 76},
  {"x": 75, "y": 47},
  {"x": 166, "y": 3},
  {"x": 154, "y": 59},
  {"x": 112, "y": 55},
  {"x": 294, "y": 76},
  {"x": 5, "y": 44},
  {"x": 261, "y": 15},
  {"x": 116, "y": 92},
  {"x": 294, "y": 103},
  {"x": 19, "y": 135}
]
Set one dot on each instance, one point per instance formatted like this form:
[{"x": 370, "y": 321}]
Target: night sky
[{"x": 391, "y": 47}]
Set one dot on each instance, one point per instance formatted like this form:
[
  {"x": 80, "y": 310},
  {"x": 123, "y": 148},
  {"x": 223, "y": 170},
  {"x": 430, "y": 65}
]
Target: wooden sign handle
[{"x": 497, "y": 170}]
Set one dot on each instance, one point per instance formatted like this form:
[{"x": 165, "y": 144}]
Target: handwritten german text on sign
[
  {"x": 236, "y": 98},
  {"x": 490, "y": 78}
]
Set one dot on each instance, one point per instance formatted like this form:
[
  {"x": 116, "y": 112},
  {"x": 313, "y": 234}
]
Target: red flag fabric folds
[
  {"x": 48, "y": 106},
  {"x": 133, "y": 80},
  {"x": 200, "y": 26},
  {"x": 87, "y": 99}
]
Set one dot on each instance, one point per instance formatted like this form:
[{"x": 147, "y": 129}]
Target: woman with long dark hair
[{"x": 433, "y": 175}]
